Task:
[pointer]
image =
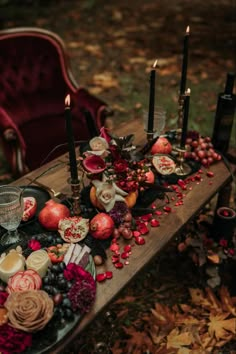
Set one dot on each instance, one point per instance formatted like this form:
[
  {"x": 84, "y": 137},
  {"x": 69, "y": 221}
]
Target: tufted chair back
[{"x": 35, "y": 78}]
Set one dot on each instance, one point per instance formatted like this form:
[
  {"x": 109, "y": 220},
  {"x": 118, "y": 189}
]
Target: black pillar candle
[
  {"x": 70, "y": 140},
  {"x": 185, "y": 62},
  {"x": 152, "y": 99},
  {"x": 185, "y": 119}
]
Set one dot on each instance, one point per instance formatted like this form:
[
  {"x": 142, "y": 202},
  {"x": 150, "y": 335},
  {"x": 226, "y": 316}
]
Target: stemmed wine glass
[
  {"x": 11, "y": 211},
  {"x": 159, "y": 121}
]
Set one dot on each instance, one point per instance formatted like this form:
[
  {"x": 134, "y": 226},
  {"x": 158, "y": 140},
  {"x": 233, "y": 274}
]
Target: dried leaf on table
[
  {"x": 226, "y": 300},
  {"x": 221, "y": 326}
]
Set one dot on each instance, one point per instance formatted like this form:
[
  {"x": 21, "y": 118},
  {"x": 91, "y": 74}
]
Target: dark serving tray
[{"x": 43, "y": 341}]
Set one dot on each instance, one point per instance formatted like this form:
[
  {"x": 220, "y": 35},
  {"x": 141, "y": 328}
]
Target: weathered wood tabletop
[{"x": 170, "y": 225}]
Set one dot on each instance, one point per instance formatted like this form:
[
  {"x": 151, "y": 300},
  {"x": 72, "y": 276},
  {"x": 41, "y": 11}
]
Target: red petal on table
[
  {"x": 198, "y": 177},
  {"x": 182, "y": 184},
  {"x": 124, "y": 255},
  {"x": 146, "y": 217},
  {"x": 210, "y": 174},
  {"x": 154, "y": 223},
  {"x": 109, "y": 275},
  {"x": 143, "y": 229},
  {"x": 136, "y": 233},
  {"x": 140, "y": 240},
  {"x": 115, "y": 258},
  {"x": 153, "y": 206},
  {"x": 114, "y": 247},
  {"x": 101, "y": 277},
  {"x": 118, "y": 265},
  {"x": 167, "y": 209},
  {"x": 158, "y": 213},
  {"x": 127, "y": 248}
]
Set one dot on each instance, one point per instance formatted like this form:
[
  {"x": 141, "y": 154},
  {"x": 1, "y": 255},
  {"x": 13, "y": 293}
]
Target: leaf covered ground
[{"x": 112, "y": 45}]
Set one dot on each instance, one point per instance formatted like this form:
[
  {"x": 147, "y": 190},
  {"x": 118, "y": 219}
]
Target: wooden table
[{"x": 156, "y": 240}]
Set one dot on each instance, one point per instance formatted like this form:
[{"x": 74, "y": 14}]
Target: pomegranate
[
  {"x": 73, "y": 229},
  {"x": 161, "y": 146},
  {"x": 52, "y": 213},
  {"x": 101, "y": 226},
  {"x": 150, "y": 177},
  {"x": 30, "y": 207}
]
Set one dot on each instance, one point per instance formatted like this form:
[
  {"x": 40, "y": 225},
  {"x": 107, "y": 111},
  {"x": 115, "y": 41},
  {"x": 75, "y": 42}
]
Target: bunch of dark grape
[
  {"x": 202, "y": 150},
  {"x": 45, "y": 240},
  {"x": 124, "y": 228},
  {"x": 57, "y": 287}
]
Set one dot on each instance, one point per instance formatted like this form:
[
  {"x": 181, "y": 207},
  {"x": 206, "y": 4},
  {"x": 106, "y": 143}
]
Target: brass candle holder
[
  {"x": 150, "y": 136},
  {"x": 181, "y": 169},
  {"x": 75, "y": 189},
  {"x": 180, "y": 116}
]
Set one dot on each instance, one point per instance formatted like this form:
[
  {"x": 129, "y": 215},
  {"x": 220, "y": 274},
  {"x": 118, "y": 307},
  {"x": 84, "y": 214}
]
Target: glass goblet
[{"x": 11, "y": 211}]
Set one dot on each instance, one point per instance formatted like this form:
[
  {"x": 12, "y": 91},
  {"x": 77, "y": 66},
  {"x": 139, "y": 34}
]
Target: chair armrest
[
  {"x": 98, "y": 109},
  {"x": 13, "y": 152}
]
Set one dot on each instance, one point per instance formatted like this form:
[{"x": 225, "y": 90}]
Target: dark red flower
[
  {"x": 82, "y": 294},
  {"x": 120, "y": 166},
  {"x": 34, "y": 245},
  {"x": 3, "y": 297},
  {"x": 13, "y": 340},
  {"x": 114, "y": 152},
  {"x": 223, "y": 242},
  {"x": 74, "y": 272}
]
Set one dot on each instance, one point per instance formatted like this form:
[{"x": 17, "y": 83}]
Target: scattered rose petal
[
  {"x": 101, "y": 277},
  {"x": 115, "y": 258},
  {"x": 136, "y": 233},
  {"x": 124, "y": 255},
  {"x": 143, "y": 229},
  {"x": 114, "y": 247},
  {"x": 210, "y": 174},
  {"x": 127, "y": 248},
  {"x": 140, "y": 240},
  {"x": 109, "y": 275},
  {"x": 167, "y": 209},
  {"x": 154, "y": 223},
  {"x": 158, "y": 213},
  {"x": 118, "y": 265},
  {"x": 146, "y": 217}
]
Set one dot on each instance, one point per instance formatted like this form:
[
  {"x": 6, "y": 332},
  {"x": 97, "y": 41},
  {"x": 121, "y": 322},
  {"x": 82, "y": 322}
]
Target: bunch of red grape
[{"x": 202, "y": 150}]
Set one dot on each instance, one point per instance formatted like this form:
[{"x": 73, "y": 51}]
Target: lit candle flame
[
  {"x": 67, "y": 101},
  {"x": 155, "y": 64},
  {"x": 187, "y": 30},
  {"x": 187, "y": 92}
]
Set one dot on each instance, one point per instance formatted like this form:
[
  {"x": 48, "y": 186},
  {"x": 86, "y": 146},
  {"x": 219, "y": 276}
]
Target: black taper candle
[
  {"x": 185, "y": 62},
  {"x": 152, "y": 99},
  {"x": 185, "y": 119},
  {"x": 71, "y": 144}
]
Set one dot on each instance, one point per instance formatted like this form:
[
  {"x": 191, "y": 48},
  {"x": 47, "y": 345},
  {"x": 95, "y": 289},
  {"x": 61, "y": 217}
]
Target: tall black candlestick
[
  {"x": 185, "y": 119},
  {"x": 185, "y": 62},
  {"x": 71, "y": 144},
  {"x": 152, "y": 99}
]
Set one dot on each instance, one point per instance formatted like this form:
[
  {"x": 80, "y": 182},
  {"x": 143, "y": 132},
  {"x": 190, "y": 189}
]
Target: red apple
[{"x": 161, "y": 146}]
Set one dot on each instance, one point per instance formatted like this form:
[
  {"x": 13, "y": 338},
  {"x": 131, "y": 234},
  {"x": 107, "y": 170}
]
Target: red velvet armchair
[{"x": 34, "y": 80}]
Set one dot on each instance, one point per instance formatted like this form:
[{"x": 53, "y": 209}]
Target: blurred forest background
[{"x": 113, "y": 44}]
